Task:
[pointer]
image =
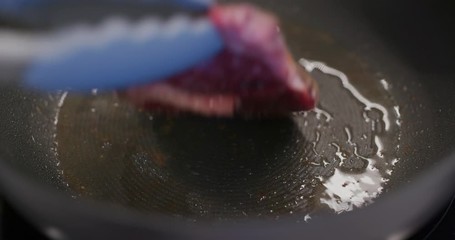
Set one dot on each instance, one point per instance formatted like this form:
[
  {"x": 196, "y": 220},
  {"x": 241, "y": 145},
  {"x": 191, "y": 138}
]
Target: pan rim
[{"x": 18, "y": 189}]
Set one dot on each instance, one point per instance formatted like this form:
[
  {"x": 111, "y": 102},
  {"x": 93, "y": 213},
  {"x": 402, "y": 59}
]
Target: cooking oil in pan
[
  {"x": 356, "y": 134},
  {"x": 335, "y": 158},
  {"x": 338, "y": 156}
]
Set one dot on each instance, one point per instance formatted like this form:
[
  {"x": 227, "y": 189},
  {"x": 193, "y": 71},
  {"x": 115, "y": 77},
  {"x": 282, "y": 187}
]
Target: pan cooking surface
[{"x": 335, "y": 158}]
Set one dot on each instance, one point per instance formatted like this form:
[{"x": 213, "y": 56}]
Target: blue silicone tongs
[{"x": 114, "y": 53}]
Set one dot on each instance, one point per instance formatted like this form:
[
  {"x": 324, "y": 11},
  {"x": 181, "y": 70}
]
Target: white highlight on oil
[
  {"x": 311, "y": 65},
  {"x": 320, "y": 112},
  {"x": 345, "y": 191},
  {"x": 60, "y": 103},
  {"x": 398, "y": 113},
  {"x": 348, "y": 135},
  {"x": 380, "y": 147},
  {"x": 385, "y": 84}
]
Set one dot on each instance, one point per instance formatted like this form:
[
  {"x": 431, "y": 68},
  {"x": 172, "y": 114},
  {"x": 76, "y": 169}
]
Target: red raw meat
[{"x": 254, "y": 75}]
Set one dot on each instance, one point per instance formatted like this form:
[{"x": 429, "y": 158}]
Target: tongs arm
[{"x": 114, "y": 53}]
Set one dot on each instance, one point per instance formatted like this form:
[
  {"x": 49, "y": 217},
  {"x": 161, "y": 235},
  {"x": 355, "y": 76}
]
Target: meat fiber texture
[{"x": 255, "y": 75}]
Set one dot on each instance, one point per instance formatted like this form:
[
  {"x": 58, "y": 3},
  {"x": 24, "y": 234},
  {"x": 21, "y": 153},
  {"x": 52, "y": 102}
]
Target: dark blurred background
[{"x": 422, "y": 32}]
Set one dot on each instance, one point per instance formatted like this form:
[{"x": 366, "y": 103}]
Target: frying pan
[{"x": 86, "y": 167}]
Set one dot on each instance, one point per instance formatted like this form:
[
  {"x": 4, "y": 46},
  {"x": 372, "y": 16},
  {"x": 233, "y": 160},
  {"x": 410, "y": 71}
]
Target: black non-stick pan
[{"x": 375, "y": 160}]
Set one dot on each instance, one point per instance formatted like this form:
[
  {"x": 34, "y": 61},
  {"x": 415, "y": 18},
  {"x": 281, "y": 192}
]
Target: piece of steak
[{"x": 254, "y": 75}]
